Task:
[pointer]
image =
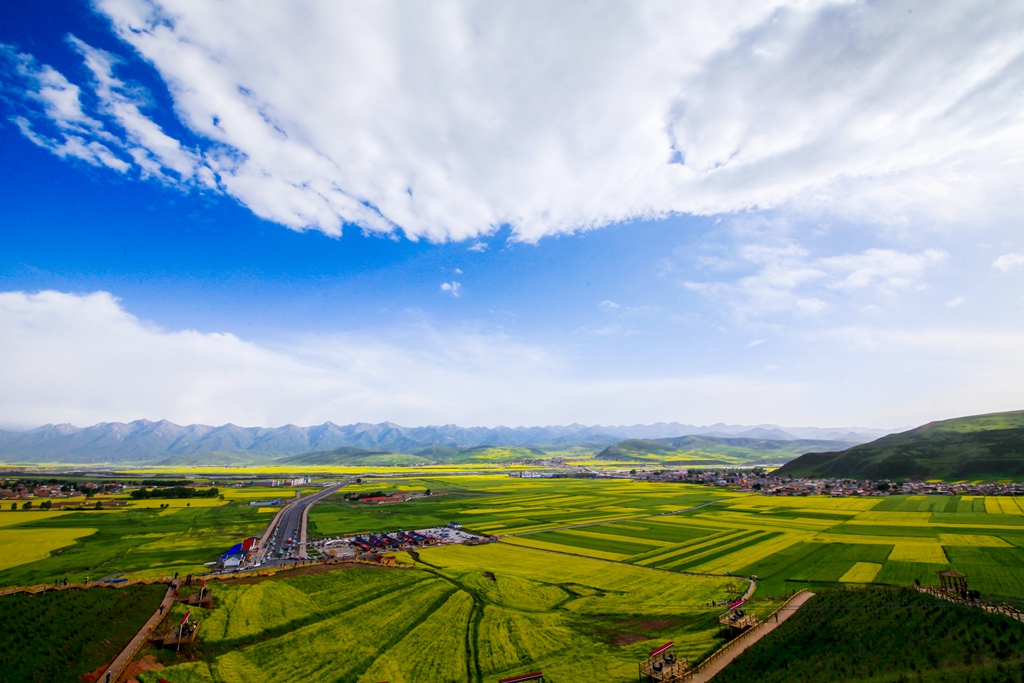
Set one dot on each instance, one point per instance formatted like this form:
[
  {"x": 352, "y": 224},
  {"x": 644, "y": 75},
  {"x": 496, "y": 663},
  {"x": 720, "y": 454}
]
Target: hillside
[
  {"x": 712, "y": 450},
  {"x": 352, "y": 457},
  {"x": 838, "y": 636},
  {"x": 987, "y": 446}
]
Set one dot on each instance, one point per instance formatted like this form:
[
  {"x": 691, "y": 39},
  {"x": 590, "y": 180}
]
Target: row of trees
[
  {"x": 46, "y": 505},
  {"x": 174, "y": 492}
]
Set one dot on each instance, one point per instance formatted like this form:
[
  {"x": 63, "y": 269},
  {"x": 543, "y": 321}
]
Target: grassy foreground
[{"x": 462, "y": 613}]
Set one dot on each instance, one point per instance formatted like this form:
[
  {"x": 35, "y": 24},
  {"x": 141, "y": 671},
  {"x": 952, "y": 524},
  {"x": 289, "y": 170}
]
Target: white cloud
[
  {"x": 84, "y": 359},
  {"x": 608, "y": 305},
  {"x": 1008, "y": 262},
  {"x": 447, "y": 123},
  {"x": 789, "y": 279},
  {"x": 955, "y": 301},
  {"x": 453, "y": 288}
]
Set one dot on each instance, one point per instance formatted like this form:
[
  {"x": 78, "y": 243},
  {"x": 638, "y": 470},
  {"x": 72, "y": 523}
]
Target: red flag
[
  {"x": 204, "y": 584},
  {"x": 184, "y": 619}
]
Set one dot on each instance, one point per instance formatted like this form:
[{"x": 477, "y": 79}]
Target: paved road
[{"x": 290, "y": 525}]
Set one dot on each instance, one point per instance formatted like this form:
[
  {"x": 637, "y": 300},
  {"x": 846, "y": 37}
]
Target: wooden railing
[
  {"x": 717, "y": 654},
  {"x": 987, "y": 605}
]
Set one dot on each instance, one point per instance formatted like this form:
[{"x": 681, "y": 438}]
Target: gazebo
[{"x": 952, "y": 581}]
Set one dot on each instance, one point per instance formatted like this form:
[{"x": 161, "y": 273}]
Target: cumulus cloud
[
  {"x": 447, "y": 123},
  {"x": 1008, "y": 262},
  {"x": 453, "y": 288}
]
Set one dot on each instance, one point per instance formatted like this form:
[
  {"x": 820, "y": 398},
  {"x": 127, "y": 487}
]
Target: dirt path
[{"x": 749, "y": 638}]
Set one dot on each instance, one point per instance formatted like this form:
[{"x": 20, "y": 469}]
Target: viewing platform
[
  {"x": 738, "y": 619},
  {"x": 663, "y": 667}
]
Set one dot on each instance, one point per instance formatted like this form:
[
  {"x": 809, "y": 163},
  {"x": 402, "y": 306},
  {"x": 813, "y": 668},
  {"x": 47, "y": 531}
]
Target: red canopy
[{"x": 663, "y": 648}]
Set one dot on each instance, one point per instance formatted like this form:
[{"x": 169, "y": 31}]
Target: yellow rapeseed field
[
  {"x": 18, "y": 546},
  {"x": 931, "y": 553},
  {"x": 862, "y": 572}
]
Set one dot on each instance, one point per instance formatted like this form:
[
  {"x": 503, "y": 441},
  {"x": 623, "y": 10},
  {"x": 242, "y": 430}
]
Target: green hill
[
  {"x": 712, "y": 450},
  {"x": 979, "y": 447},
  {"x": 352, "y": 457},
  {"x": 482, "y": 454},
  {"x": 217, "y": 459}
]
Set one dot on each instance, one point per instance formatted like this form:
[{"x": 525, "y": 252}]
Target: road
[{"x": 290, "y": 524}]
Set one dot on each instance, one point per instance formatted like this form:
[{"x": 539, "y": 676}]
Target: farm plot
[
  {"x": 463, "y": 613},
  {"x": 139, "y": 542},
  {"x": 500, "y": 505},
  {"x": 53, "y": 636}
]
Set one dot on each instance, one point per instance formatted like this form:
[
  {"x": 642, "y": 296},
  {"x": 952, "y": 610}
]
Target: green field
[
  {"x": 587, "y": 575},
  {"x": 499, "y": 504},
  {"x": 59, "y": 636},
  {"x": 462, "y": 613},
  {"x": 140, "y": 540}
]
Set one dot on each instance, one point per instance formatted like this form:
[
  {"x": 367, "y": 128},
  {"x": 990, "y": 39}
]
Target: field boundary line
[{"x": 613, "y": 521}]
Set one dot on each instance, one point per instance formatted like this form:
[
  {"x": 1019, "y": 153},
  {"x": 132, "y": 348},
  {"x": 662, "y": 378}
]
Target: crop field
[
  {"x": 137, "y": 540},
  {"x": 499, "y": 504},
  {"x": 884, "y": 635},
  {"x": 61, "y": 636},
  {"x": 794, "y": 542},
  {"x": 462, "y": 613}
]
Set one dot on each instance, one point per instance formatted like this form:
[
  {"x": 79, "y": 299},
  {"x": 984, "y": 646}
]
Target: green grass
[
  {"x": 59, "y": 636},
  {"x": 884, "y": 635},
  {"x": 134, "y": 541},
  {"x": 463, "y": 613}
]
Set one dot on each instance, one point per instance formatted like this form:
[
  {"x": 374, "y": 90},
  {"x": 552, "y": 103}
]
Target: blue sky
[{"x": 523, "y": 214}]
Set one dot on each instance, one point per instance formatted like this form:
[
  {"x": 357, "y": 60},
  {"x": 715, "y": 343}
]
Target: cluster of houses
[
  {"x": 28, "y": 490},
  {"x": 759, "y": 481}
]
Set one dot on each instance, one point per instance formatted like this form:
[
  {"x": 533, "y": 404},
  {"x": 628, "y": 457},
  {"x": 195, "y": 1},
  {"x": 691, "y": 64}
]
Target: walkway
[
  {"x": 740, "y": 643},
  {"x": 113, "y": 672}
]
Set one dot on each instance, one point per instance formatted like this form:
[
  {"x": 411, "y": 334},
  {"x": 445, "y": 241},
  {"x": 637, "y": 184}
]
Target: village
[{"x": 759, "y": 480}]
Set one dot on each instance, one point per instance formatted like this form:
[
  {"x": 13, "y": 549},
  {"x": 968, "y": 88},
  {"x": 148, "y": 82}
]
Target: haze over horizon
[{"x": 788, "y": 213}]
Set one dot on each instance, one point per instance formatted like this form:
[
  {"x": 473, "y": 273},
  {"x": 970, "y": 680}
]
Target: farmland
[
  {"x": 499, "y": 505},
  {"x": 60, "y": 636},
  {"x": 586, "y": 576},
  {"x": 461, "y": 613},
  {"x": 141, "y": 539},
  {"x": 820, "y": 542}
]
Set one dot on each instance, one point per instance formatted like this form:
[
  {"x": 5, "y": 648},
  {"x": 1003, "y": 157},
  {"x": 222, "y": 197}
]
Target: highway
[{"x": 290, "y": 524}]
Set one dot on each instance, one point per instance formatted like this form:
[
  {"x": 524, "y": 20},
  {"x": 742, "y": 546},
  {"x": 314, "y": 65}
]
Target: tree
[
  {"x": 46, "y": 505},
  {"x": 27, "y": 505},
  {"x": 427, "y": 492},
  {"x": 14, "y": 506},
  {"x": 99, "y": 504}
]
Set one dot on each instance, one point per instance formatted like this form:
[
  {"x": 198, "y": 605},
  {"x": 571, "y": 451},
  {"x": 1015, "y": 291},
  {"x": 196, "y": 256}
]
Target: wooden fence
[
  {"x": 743, "y": 636},
  {"x": 987, "y": 605}
]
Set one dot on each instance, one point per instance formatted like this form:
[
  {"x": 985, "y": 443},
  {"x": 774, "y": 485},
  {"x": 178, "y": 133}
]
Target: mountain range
[{"x": 148, "y": 441}]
